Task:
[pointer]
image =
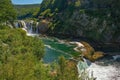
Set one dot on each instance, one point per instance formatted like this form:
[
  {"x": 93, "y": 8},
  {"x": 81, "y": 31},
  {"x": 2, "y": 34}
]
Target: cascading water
[
  {"x": 37, "y": 27},
  {"x": 30, "y": 27},
  {"x": 23, "y": 24},
  {"x": 16, "y": 24},
  {"x": 82, "y": 65},
  {"x": 105, "y": 69}
]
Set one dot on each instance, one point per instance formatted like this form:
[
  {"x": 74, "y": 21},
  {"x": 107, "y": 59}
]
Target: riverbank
[{"x": 97, "y": 45}]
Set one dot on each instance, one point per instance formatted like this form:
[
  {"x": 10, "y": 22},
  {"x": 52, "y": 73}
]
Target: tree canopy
[
  {"x": 27, "y": 11},
  {"x": 7, "y": 11}
]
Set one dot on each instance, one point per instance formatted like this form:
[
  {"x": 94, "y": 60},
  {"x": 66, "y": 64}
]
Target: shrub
[{"x": 18, "y": 42}]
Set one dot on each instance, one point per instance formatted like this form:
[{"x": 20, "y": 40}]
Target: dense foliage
[
  {"x": 27, "y": 11},
  {"x": 20, "y": 59},
  {"x": 7, "y": 11},
  {"x": 95, "y": 19},
  {"x": 15, "y": 41}
]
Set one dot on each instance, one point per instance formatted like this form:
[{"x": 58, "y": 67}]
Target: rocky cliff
[{"x": 95, "y": 19}]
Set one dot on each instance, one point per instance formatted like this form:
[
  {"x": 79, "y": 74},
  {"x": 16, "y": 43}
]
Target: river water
[
  {"x": 54, "y": 49},
  {"x": 107, "y": 68}
]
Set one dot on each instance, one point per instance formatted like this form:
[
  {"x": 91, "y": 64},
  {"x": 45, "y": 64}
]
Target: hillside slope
[
  {"x": 27, "y": 11},
  {"x": 98, "y": 20}
]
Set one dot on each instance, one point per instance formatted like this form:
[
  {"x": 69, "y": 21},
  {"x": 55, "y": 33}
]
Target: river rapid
[{"x": 107, "y": 68}]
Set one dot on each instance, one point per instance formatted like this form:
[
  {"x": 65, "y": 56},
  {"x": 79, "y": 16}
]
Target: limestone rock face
[
  {"x": 94, "y": 19},
  {"x": 93, "y": 27}
]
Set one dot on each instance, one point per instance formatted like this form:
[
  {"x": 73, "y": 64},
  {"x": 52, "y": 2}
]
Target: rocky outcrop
[
  {"x": 95, "y": 19},
  {"x": 43, "y": 26},
  {"x": 87, "y": 51},
  {"x": 93, "y": 27},
  {"x": 90, "y": 53}
]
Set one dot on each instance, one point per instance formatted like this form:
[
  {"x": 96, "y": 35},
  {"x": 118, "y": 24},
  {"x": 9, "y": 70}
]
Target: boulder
[
  {"x": 43, "y": 26},
  {"x": 90, "y": 53},
  {"x": 97, "y": 55}
]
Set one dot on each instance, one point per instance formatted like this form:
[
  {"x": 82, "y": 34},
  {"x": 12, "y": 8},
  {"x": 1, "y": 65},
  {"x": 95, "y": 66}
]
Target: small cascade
[
  {"x": 106, "y": 68},
  {"x": 37, "y": 27},
  {"x": 23, "y": 24},
  {"x": 16, "y": 24},
  {"x": 30, "y": 27},
  {"x": 103, "y": 69},
  {"x": 82, "y": 66}
]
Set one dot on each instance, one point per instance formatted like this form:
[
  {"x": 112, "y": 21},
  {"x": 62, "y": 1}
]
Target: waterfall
[
  {"x": 30, "y": 27},
  {"x": 16, "y": 24},
  {"x": 82, "y": 66},
  {"x": 23, "y": 24},
  {"x": 37, "y": 27}
]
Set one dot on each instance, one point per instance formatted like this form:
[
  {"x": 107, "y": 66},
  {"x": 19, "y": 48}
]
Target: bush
[
  {"x": 18, "y": 42},
  {"x": 4, "y": 27}
]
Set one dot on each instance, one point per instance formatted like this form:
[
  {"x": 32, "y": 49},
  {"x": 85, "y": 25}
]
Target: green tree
[
  {"x": 62, "y": 66},
  {"x": 7, "y": 11},
  {"x": 67, "y": 70},
  {"x": 23, "y": 67}
]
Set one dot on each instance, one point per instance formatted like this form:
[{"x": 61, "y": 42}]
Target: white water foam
[
  {"x": 110, "y": 72},
  {"x": 30, "y": 34},
  {"x": 116, "y": 57}
]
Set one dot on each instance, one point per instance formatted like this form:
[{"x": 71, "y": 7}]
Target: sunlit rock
[{"x": 97, "y": 55}]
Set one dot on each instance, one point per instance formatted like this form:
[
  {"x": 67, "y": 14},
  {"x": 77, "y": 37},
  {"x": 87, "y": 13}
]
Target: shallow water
[{"x": 54, "y": 49}]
